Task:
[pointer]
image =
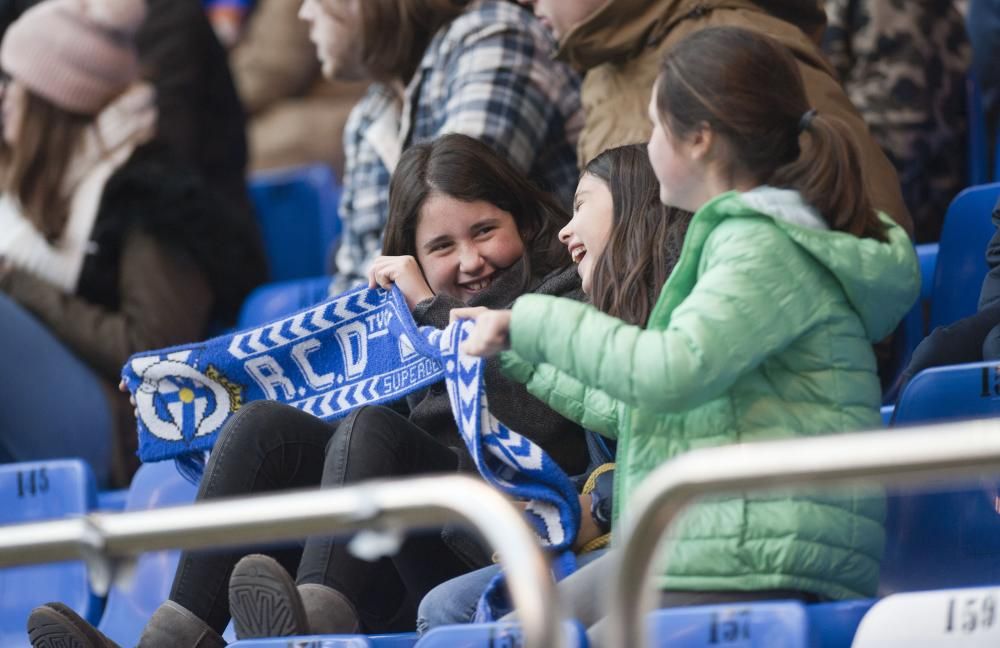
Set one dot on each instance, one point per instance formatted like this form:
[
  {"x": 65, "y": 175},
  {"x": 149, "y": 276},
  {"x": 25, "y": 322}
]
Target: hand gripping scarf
[{"x": 359, "y": 348}]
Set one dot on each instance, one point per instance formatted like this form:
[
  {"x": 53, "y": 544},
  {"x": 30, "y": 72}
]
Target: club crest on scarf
[{"x": 177, "y": 402}]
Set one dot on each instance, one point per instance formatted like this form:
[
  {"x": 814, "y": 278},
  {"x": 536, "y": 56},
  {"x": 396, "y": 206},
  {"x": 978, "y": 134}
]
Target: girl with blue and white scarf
[{"x": 465, "y": 228}]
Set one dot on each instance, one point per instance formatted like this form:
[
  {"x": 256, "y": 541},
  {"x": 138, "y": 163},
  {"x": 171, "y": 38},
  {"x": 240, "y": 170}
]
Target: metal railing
[
  {"x": 104, "y": 539},
  {"x": 891, "y": 458}
]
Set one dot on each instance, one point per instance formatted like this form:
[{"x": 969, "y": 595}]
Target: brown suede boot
[
  {"x": 174, "y": 626},
  {"x": 54, "y": 625},
  {"x": 263, "y": 600},
  {"x": 328, "y": 611}
]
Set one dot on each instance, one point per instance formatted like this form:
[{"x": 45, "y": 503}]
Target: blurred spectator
[
  {"x": 112, "y": 245},
  {"x": 904, "y": 66},
  {"x": 201, "y": 119},
  {"x": 295, "y": 116},
  {"x": 477, "y": 67},
  {"x": 620, "y": 43}
]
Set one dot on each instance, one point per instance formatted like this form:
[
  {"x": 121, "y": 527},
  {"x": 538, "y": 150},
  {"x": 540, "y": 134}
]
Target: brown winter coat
[
  {"x": 620, "y": 48},
  {"x": 295, "y": 116}
]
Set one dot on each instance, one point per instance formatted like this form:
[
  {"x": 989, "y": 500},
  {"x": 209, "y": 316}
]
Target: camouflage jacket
[{"x": 903, "y": 64}]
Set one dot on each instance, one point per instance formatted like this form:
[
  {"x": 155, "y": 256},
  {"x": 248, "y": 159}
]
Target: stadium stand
[{"x": 297, "y": 212}]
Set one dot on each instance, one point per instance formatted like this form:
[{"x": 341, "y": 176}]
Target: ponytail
[
  {"x": 748, "y": 89},
  {"x": 828, "y": 175}
]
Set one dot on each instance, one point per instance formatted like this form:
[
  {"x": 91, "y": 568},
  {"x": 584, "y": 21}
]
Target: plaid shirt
[{"x": 489, "y": 74}]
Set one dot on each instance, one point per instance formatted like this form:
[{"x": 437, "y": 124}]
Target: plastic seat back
[
  {"x": 32, "y": 492},
  {"x": 272, "y": 301},
  {"x": 492, "y": 635},
  {"x": 949, "y": 393},
  {"x": 333, "y": 641},
  {"x": 912, "y": 330},
  {"x": 297, "y": 212},
  {"x": 952, "y": 618},
  {"x": 978, "y": 143},
  {"x": 833, "y": 625},
  {"x": 961, "y": 260},
  {"x": 131, "y": 604},
  {"x": 771, "y": 624}
]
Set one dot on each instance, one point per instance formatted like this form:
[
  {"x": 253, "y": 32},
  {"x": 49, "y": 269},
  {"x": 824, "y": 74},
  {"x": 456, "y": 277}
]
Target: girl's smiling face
[
  {"x": 587, "y": 234},
  {"x": 463, "y": 246}
]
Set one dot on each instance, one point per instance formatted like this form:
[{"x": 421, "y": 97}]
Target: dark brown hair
[
  {"x": 395, "y": 34},
  {"x": 646, "y": 236},
  {"x": 747, "y": 88},
  {"x": 469, "y": 170},
  {"x": 36, "y": 166}
]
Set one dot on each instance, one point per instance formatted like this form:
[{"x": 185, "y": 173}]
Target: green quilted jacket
[{"x": 764, "y": 330}]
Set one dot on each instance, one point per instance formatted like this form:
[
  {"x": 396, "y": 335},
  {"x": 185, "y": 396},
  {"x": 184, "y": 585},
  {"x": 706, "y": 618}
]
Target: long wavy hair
[{"x": 646, "y": 236}]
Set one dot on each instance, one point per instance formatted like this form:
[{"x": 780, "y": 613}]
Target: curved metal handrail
[
  {"x": 102, "y": 539},
  {"x": 887, "y": 458}
]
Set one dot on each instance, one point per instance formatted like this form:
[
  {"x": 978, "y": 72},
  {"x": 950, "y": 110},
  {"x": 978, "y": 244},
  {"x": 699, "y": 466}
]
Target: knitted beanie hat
[{"x": 78, "y": 54}]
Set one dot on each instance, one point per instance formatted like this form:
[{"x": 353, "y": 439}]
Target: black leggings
[{"x": 266, "y": 447}]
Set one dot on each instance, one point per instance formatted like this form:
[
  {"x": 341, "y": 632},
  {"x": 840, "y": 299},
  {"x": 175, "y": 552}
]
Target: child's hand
[
  {"x": 491, "y": 334},
  {"x": 405, "y": 273}
]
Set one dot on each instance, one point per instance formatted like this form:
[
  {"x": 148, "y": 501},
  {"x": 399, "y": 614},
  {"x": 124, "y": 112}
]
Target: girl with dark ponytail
[
  {"x": 763, "y": 330},
  {"x": 745, "y": 91}
]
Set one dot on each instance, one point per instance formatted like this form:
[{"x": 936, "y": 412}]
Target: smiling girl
[
  {"x": 764, "y": 330},
  {"x": 625, "y": 244},
  {"x": 464, "y": 228}
]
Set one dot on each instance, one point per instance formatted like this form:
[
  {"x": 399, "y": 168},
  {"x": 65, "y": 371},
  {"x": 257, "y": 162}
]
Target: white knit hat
[{"x": 78, "y": 54}]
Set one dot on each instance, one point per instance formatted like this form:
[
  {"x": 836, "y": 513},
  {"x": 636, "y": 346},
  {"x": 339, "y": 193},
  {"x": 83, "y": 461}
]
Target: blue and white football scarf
[{"x": 360, "y": 348}]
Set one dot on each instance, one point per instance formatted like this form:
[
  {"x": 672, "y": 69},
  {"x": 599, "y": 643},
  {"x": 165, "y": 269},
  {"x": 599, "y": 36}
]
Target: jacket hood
[
  {"x": 620, "y": 29},
  {"x": 880, "y": 280}
]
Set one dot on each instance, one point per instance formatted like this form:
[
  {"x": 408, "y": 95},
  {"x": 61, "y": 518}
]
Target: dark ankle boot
[
  {"x": 54, "y": 625},
  {"x": 328, "y": 611},
  {"x": 263, "y": 600},
  {"x": 174, "y": 626}
]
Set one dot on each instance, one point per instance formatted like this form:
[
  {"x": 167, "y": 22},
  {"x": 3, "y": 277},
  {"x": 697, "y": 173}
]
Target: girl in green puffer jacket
[{"x": 764, "y": 329}]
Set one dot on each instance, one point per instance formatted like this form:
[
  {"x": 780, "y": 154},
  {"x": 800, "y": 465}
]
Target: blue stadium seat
[
  {"x": 945, "y": 538},
  {"x": 949, "y": 393},
  {"x": 35, "y": 491},
  {"x": 297, "y": 212},
  {"x": 961, "y": 262},
  {"x": 913, "y": 328},
  {"x": 491, "y": 635},
  {"x": 771, "y": 624},
  {"x": 832, "y": 625},
  {"x": 333, "y": 641},
  {"x": 131, "y": 604},
  {"x": 957, "y": 617},
  {"x": 274, "y": 300}
]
